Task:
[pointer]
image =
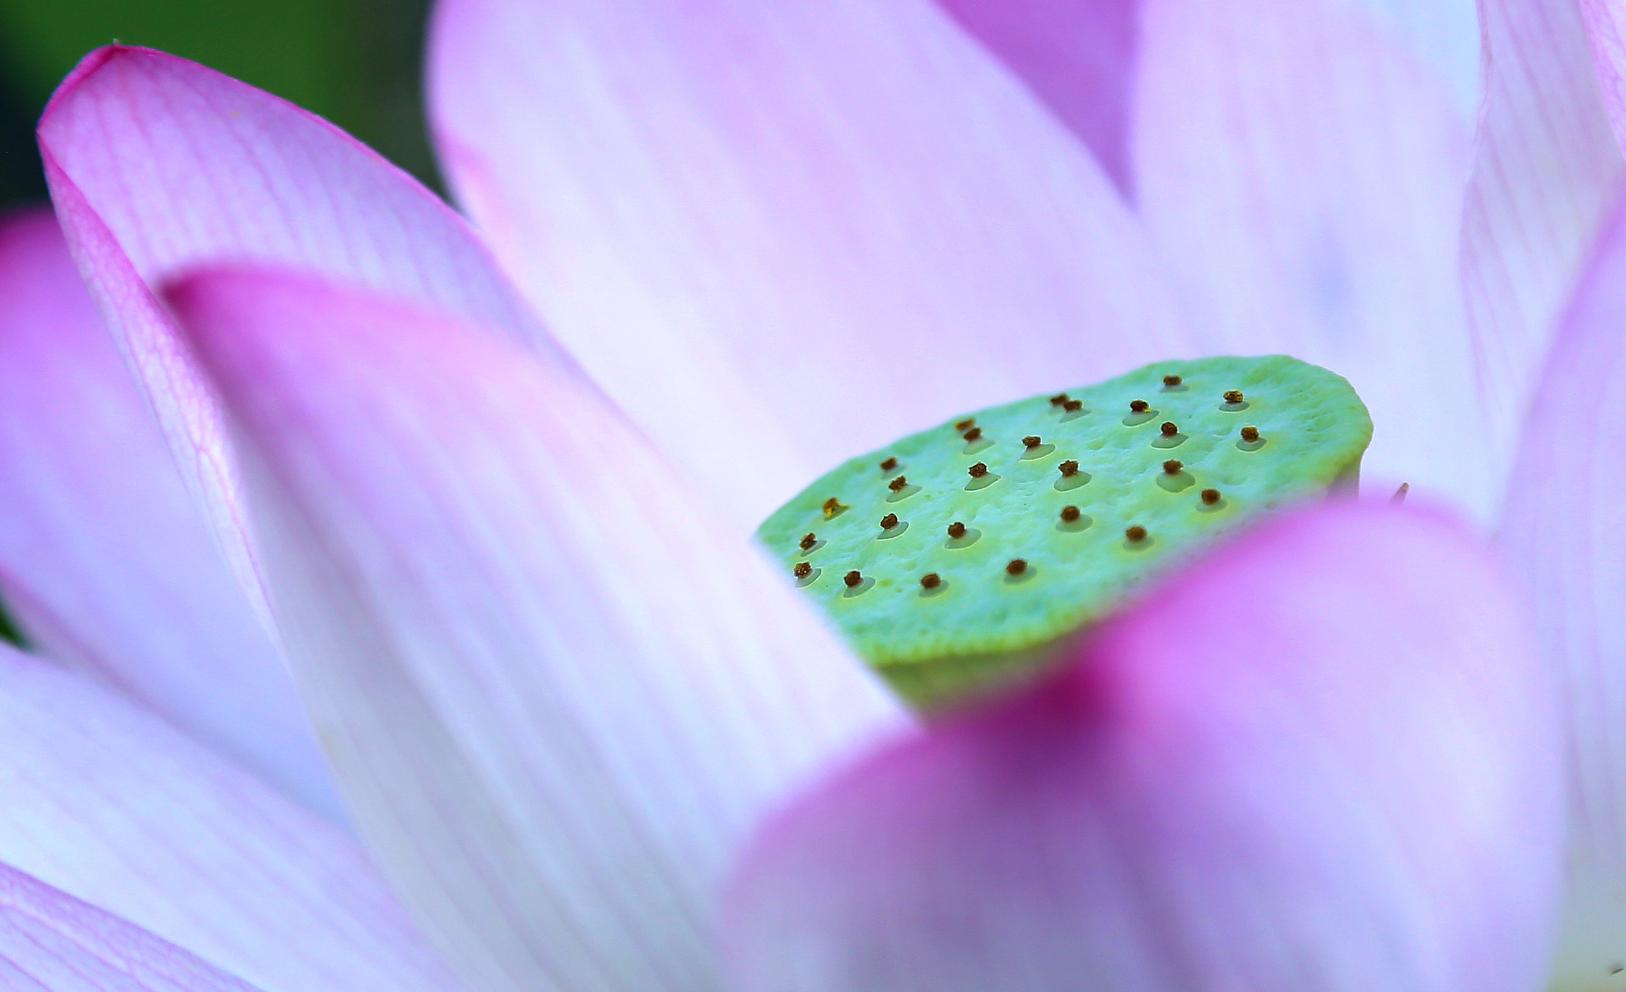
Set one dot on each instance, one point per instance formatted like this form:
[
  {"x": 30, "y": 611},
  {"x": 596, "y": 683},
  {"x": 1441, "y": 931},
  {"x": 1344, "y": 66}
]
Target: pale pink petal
[
  {"x": 1078, "y": 58},
  {"x": 52, "y": 942},
  {"x": 1606, "y": 23},
  {"x": 103, "y": 556},
  {"x": 1323, "y": 758},
  {"x": 1443, "y": 34},
  {"x": 780, "y": 233},
  {"x": 558, "y": 693},
  {"x": 156, "y": 163},
  {"x": 1545, "y": 176},
  {"x": 1565, "y": 535},
  {"x": 112, "y": 806},
  {"x": 1303, "y": 172}
]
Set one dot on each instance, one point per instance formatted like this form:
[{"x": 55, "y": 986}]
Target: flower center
[{"x": 1004, "y": 531}]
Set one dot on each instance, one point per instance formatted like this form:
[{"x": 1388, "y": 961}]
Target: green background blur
[{"x": 356, "y": 62}]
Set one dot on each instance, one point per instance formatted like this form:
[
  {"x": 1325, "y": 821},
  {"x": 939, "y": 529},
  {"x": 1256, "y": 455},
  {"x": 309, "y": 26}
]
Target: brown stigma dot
[
  {"x": 889, "y": 521},
  {"x": 802, "y": 570},
  {"x": 1058, "y": 399},
  {"x": 1170, "y": 381},
  {"x": 1169, "y": 428},
  {"x": 1016, "y": 566},
  {"x": 1250, "y": 434},
  {"x": 832, "y": 506},
  {"x": 899, "y": 484},
  {"x": 808, "y": 540},
  {"x": 956, "y": 529},
  {"x": 1135, "y": 534},
  {"x": 1073, "y": 406},
  {"x": 1069, "y": 467},
  {"x": 966, "y": 424},
  {"x": 931, "y": 580},
  {"x": 1032, "y": 441},
  {"x": 1138, "y": 406},
  {"x": 974, "y": 434},
  {"x": 1233, "y": 396},
  {"x": 978, "y": 470},
  {"x": 1172, "y": 466},
  {"x": 889, "y": 464},
  {"x": 1069, "y": 513},
  {"x": 1210, "y": 496},
  {"x": 853, "y": 579}
]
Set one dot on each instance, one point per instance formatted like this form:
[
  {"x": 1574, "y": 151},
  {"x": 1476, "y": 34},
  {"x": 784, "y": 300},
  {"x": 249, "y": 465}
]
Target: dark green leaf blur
[{"x": 356, "y": 62}]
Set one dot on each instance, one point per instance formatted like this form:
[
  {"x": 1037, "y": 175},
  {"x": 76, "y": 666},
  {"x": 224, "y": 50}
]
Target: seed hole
[
  {"x": 981, "y": 478},
  {"x": 1067, "y": 483},
  {"x": 1168, "y": 436},
  {"x": 854, "y": 589},
  {"x": 1177, "y": 481},
  {"x": 1140, "y": 412},
  {"x": 1018, "y": 570},
  {"x": 1072, "y": 520}
]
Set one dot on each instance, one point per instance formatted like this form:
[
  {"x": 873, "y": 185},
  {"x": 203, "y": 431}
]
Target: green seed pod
[{"x": 1017, "y": 525}]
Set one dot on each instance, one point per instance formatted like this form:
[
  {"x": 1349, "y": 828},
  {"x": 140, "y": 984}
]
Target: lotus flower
[{"x": 393, "y": 619}]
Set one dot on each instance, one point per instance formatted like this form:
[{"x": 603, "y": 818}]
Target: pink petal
[
  {"x": 780, "y": 233},
  {"x": 1606, "y": 27},
  {"x": 1565, "y": 536},
  {"x": 1078, "y": 58},
  {"x": 1545, "y": 176},
  {"x": 110, "y": 805},
  {"x": 558, "y": 693},
  {"x": 1324, "y": 758},
  {"x": 1443, "y": 35},
  {"x": 52, "y": 942},
  {"x": 1304, "y": 173},
  {"x": 156, "y": 163},
  {"x": 103, "y": 555}
]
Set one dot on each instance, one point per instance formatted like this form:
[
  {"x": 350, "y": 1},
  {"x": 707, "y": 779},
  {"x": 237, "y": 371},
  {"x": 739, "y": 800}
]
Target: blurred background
[{"x": 355, "y": 62}]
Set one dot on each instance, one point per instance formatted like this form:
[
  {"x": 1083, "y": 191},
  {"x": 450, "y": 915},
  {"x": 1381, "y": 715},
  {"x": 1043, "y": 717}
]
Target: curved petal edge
[{"x": 1324, "y": 757}]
